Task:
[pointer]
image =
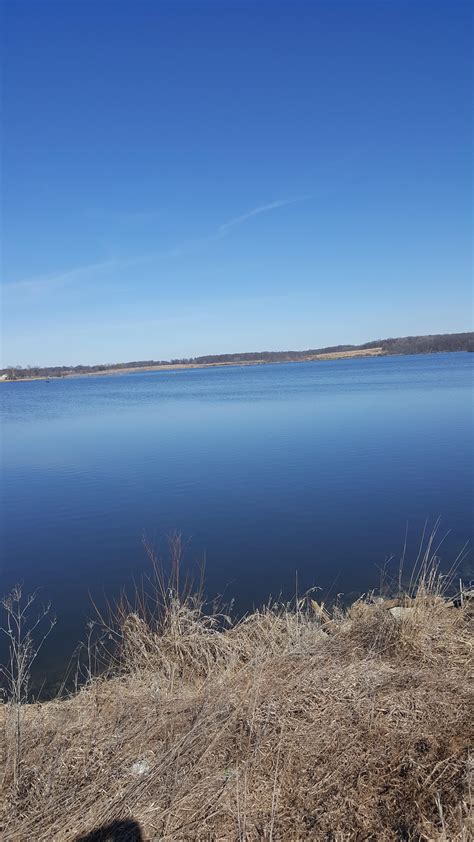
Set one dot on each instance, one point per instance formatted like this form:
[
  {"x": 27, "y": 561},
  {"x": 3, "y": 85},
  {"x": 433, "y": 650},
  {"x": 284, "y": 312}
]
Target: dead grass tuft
[{"x": 290, "y": 724}]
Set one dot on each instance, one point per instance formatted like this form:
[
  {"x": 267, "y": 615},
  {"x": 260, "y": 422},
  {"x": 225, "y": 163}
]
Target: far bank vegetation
[{"x": 432, "y": 344}]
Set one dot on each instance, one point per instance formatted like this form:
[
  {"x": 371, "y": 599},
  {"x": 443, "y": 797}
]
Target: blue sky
[{"x": 183, "y": 178}]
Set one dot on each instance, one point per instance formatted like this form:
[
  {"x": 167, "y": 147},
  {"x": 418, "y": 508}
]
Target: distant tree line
[
  {"x": 429, "y": 344},
  {"x": 436, "y": 343}
]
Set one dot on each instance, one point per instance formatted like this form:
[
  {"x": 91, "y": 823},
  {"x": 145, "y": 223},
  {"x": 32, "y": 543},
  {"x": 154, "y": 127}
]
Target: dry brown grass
[
  {"x": 331, "y": 355},
  {"x": 342, "y": 355},
  {"x": 291, "y": 724}
]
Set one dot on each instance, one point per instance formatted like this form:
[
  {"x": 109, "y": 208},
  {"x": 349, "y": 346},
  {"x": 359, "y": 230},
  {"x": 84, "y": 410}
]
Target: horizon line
[{"x": 189, "y": 360}]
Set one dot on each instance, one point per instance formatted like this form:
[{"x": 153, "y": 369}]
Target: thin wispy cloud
[
  {"x": 87, "y": 272},
  {"x": 41, "y": 283},
  {"x": 279, "y": 203}
]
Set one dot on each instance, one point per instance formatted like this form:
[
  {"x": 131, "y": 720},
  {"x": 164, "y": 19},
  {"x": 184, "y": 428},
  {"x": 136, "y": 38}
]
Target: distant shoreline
[
  {"x": 341, "y": 355},
  {"x": 401, "y": 346}
]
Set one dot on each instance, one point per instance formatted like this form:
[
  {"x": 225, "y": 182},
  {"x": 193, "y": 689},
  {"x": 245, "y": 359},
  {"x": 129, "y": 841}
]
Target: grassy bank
[
  {"x": 337, "y": 355},
  {"x": 431, "y": 344},
  {"x": 294, "y": 723}
]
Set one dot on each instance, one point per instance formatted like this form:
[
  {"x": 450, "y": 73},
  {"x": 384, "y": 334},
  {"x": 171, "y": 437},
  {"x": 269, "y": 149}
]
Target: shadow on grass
[{"x": 118, "y": 831}]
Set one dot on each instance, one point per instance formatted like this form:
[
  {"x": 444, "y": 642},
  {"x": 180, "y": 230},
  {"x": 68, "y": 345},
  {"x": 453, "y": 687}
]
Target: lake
[{"x": 278, "y": 476}]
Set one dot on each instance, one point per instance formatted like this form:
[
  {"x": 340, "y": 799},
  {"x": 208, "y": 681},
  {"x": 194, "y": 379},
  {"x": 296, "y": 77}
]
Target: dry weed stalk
[
  {"x": 24, "y": 644},
  {"x": 294, "y": 723}
]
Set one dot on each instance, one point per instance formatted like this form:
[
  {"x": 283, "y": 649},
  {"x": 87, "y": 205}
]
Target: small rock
[
  {"x": 139, "y": 768},
  {"x": 399, "y": 612}
]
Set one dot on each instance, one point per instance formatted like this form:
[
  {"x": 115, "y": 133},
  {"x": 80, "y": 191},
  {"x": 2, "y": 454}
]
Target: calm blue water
[{"x": 265, "y": 470}]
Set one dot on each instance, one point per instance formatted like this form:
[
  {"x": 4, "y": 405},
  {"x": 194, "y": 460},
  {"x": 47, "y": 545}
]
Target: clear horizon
[
  {"x": 241, "y": 351},
  {"x": 209, "y": 178}
]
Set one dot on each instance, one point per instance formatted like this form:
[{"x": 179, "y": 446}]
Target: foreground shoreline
[{"x": 293, "y": 723}]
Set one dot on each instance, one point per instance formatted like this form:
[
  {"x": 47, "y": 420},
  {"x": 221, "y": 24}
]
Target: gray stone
[{"x": 400, "y": 613}]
